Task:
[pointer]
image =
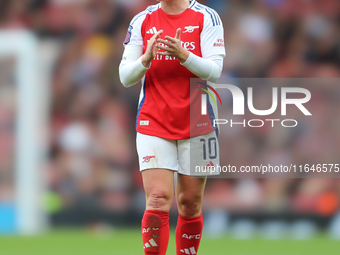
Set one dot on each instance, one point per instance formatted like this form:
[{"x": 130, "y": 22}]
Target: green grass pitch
[{"x": 128, "y": 242}]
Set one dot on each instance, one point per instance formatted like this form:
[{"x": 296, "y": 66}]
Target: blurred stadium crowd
[{"x": 92, "y": 163}]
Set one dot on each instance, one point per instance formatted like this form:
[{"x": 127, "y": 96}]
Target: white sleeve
[
  {"x": 209, "y": 67},
  {"x": 134, "y": 33},
  {"x": 212, "y": 35},
  {"x": 131, "y": 69}
]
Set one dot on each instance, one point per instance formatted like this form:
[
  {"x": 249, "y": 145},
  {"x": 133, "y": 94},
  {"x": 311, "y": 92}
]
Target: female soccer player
[{"x": 167, "y": 45}]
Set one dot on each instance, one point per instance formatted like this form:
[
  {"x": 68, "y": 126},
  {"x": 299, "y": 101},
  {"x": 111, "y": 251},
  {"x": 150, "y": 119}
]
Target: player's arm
[
  {"x": 209, "y": 67},
  {"x": 131, "y": 69},
  {"x": 135, "y": 64}
]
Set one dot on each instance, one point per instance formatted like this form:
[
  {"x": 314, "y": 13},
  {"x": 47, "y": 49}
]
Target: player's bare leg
[
  {"x": 159, "y": 190},
  {"x": 189, "y": 195}
]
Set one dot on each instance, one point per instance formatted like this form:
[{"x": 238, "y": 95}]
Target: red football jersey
[{"x": 164, "y": 105}]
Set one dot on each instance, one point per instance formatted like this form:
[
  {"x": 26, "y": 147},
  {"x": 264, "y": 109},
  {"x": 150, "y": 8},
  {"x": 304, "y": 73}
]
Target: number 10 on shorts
[{"x": 209, "y": 148}]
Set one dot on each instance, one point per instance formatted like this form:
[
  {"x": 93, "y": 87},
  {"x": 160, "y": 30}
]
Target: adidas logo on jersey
[
  {"x": 191, "y": 251},
  {"x": 152, "y": 31},
  {"x": 151, "y": 243}
]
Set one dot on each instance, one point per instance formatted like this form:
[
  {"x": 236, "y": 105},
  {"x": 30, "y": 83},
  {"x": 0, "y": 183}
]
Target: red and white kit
[{"x": 164, "y": 105}]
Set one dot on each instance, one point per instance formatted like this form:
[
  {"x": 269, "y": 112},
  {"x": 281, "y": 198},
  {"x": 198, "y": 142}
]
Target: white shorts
[{"x": 195, "y": 156}]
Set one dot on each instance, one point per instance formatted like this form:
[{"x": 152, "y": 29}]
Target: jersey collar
[{"x": 192, "y": 3}]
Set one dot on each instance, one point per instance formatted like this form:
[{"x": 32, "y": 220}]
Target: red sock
[
  {"x": 188, "y": 234},
  {"x": 155, "y": 232}
]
